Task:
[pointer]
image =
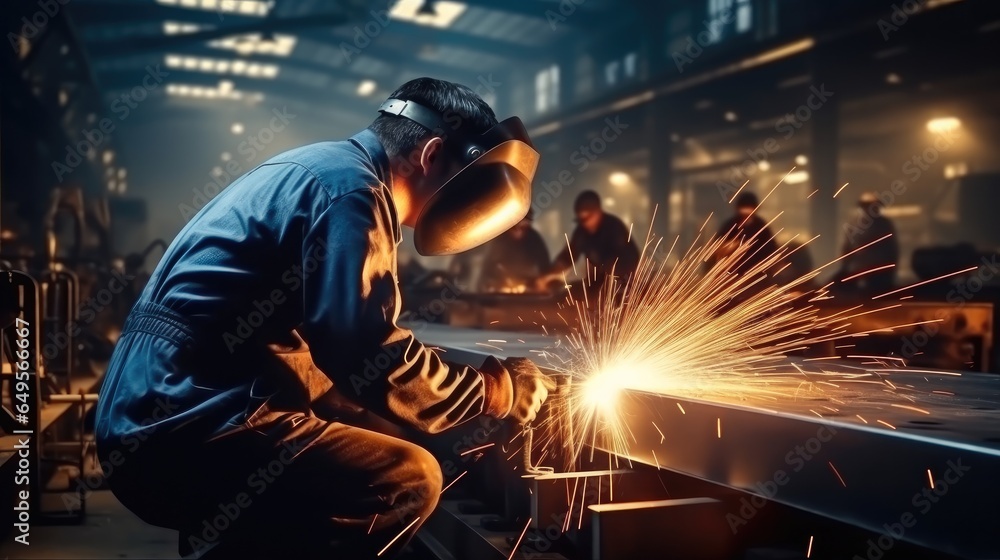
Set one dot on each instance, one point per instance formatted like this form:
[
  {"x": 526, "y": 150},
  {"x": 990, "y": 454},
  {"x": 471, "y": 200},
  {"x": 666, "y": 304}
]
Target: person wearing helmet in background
[
  {"x": 868, "y": 226},
  {"x": 203, "y": 422},
  {"x": 745, "y": 227},
  {"x": 599, "y": 238},
  {"x": 515, "y": 259}
]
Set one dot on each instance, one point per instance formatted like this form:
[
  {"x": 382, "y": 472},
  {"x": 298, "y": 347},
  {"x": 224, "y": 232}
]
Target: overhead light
[
  {"x": 180, "y": 28},
  {"x": 223, "y": 91},
  {"x": 943, "y": 125},
  {"x": 256, "y": 43},
  {"x": 236, "y": 67},
  {"x": 217, "y": 171},
  {"x": 730, "y": 116},
  {"x": 226, "y": 156},
  {"x": 893, "y": 78},
  {"x": 237, "y": 128},
  {"x": 953, "y": 170},
  {"x": 801, "y": 159},
  {"x": 609, "y": 201},
  {"x": 122, "y": 173},
  {"x": 796, "y": 177},
  {"x": 763, "y": 165},
  {"x": 366, "y": 87},
  {"x": 122, "y": 185},
  {"x": 112, "y": 185},
  {"x": 439, "y": 13},
  {"x": 619, "y": 179},
  {"x": 107, "y": 156},
  {"x": 242, "y": 7}
]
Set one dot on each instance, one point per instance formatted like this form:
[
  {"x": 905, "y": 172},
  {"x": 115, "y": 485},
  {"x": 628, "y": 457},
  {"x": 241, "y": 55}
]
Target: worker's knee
[{"x": 425, "y": 480}]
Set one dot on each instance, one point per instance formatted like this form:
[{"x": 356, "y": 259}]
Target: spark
[
  {"x": 883, "y": 422},
  {"x": 474, "y": 449},
  {"x": 497, "y": 348},
  {"x": 394, "y": 539},
  {"x": 374, "y": 519},
  {"x": 942, "y": 277},
  {"x": 810, "y": 549},
  {"x": 930, "y": 477},
  {"x": 706, "y": 322},
  {"x": 737, "y": 193},
  {"x": 869, "y": 271},
  {"x": 662, "y": 437},
  {"x": 450, "y": 484},
  {"x": 836, "y": 472},
  {"x": 840, "y": 189},
  {"x": 497, "y": 340},
  {"x": 812, "y": 193},
  {"x": 519, "y": 539},
  {"x": 920, "y": 410}
]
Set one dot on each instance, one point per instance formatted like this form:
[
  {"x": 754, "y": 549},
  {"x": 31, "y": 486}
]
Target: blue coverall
[{"x": 196, "y": 414}]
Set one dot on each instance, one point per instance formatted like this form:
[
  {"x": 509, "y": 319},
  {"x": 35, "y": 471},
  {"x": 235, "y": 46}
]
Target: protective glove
[{"x": 531, "y": 388}]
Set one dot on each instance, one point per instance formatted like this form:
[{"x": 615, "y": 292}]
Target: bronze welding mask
[{"x": 489, "y": 195}]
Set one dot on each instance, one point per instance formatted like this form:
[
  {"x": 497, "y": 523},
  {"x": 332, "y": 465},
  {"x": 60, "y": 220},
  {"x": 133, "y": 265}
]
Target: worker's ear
[{"x": 430, "y": 154}]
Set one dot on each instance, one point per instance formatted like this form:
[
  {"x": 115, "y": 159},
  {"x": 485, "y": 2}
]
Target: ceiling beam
[
  {"x": 307, "y": 94},
  {"x": 437, "y": 37}
]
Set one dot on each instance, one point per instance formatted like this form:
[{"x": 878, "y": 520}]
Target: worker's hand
[
  {"x": 543, "y": 281},
  {"x": 531, "y": 388}
]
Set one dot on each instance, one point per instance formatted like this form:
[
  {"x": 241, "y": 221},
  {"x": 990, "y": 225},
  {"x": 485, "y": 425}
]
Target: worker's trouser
[{"x": 281, "y": 484}]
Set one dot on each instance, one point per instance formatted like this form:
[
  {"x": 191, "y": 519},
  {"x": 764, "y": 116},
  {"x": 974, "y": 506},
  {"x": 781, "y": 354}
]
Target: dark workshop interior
[{"x": 728, "y": 289}]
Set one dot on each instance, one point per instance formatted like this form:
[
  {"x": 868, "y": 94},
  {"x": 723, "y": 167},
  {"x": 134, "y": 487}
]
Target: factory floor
[{"x": 108, "y": 531}]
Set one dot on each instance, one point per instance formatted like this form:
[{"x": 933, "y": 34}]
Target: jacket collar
[{"x": 372, "y": 148}]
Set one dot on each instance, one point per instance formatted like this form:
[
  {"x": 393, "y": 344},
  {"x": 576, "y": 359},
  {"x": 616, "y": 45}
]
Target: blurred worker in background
[
  {"x": 866, "y": 226},
  {"x": 599, "y": 238},
  {"x": 515, "y": 259},
  {"x": 745, "y": 227},
  {"x": 203, "y": 421}
]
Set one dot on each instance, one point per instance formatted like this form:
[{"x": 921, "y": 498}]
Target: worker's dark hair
[
  {"x": 461, "y": 108},
  {"x": 747, "y": 200},
  {"x": 587, "y": 200}
]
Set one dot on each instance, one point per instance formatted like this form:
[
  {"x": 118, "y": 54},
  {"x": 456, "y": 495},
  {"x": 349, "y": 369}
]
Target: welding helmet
[{"x": 489, "y": 195}]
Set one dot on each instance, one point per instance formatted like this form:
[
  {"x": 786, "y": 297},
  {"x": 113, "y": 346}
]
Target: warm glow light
[
  {"x": 763, "y": 165},
  {"x": 601, "y": 393},
  {"x": 619, "y": 178},
  {"x": 796, "y": 177},
  {"x": 943, "y": 125},
  {"x": 237, "y": 128},
  {"x": 801, "y": 159}
]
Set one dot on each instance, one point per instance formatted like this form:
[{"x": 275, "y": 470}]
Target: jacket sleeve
[{"x": 351, "y": 303}]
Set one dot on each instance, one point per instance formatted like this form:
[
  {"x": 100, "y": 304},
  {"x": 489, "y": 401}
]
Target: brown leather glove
[{"x": 531, "y": 388}]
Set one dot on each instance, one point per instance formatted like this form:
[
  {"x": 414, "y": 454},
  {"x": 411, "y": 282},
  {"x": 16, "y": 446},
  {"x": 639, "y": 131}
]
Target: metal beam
[
  {"x": 866, "y": 475},
  {"x": 427, "y": 35}
]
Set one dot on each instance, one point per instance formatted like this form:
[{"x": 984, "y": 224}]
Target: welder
[
  {"x": 514, "y": 259},
  {"x": 214, "y": 435},
  {"x": 601, "y": 239}
]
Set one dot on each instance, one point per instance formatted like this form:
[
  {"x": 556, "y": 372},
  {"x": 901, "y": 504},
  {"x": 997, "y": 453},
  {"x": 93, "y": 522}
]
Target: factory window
[
  {"x": 744, "y": 16},
  {"x": 631, "y": 62},
  {"x": 611, "y": 72},
  {"x": 724, "y": 13},
  {"x": 547, "y": 88}
]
